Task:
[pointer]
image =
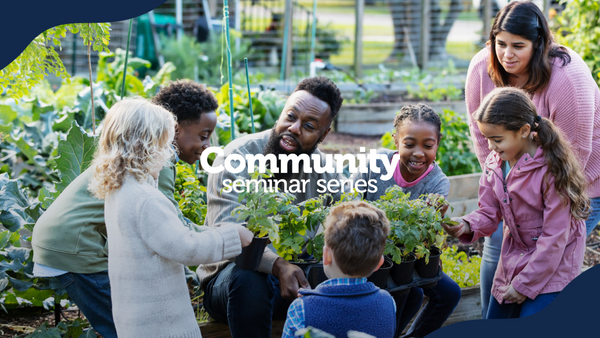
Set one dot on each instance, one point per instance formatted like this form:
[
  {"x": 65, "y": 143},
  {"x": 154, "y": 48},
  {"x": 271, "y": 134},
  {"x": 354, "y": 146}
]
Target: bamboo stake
[
  {"x": 126, "y": 58},
  {"x": 313, "y": 33},
  {"x": 249, "y": 93},
  {"x": 226, "y": 15},
  {"x": 91, "y": 87}
]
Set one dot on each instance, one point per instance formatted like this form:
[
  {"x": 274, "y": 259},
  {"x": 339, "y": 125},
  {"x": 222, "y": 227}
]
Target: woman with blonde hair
[{"x": 147, "y": 242}]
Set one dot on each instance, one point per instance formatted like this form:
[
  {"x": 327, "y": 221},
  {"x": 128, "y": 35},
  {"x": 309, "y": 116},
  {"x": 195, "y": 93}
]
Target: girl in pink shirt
[{"x": 543, "y": 202}]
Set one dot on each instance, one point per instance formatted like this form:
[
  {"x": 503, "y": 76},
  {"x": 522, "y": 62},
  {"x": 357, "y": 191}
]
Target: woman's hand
[
  {"x": 246, "y": 235},
  {"x": 514, "y": 296},
  {"x": 457, "y": 230}
]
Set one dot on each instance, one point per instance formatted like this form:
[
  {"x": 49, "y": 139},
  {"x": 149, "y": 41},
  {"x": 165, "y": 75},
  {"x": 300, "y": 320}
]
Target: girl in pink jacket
[{"x": 533, "y": 182}]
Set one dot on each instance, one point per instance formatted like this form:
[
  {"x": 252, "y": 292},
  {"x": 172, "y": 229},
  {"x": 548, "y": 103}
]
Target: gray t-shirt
[{"x": 435, "y": 182}]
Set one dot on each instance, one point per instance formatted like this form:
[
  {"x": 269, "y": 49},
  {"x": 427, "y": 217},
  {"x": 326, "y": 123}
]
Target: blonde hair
[
  {"x": 136, "y": 140},
  {"x": 356, "y": 232}
]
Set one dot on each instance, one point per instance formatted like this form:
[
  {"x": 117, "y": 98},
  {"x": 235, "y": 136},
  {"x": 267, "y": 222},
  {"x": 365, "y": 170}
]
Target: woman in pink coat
[
  {"x": 532, "y": 179},
  {"x": 521, "y": 53}
]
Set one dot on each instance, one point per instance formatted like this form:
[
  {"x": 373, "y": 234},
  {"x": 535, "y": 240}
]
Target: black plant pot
[
  {"x": 403, "y": 273},
  {"x": 315, "y": 274},
  {"x": 429, "y": 270},
  {"x": 304, "y": 265},
  {"x": 251, "y": 255},
  {"x": 380, "y": 276}
]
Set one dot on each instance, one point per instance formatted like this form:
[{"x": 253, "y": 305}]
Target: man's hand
[
  {"x": 514, "y": 296},
  {"x": 462, "y": 228},
  {"x": 291, "y": 278}
]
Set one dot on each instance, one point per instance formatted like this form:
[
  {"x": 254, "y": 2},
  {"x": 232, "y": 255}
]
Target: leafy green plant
[
  {"x": 266, "y": 107},
  {"x": 454, "y": 153},
  {"x": 201, "y": 61},
  {"x": 295, "y": 222},
  {"x": 415, "y": 225},
  {"x": 40, "y": 57},
  {"x": 462, "y": 269},
  {"x": 430, "y": 92},
  {"x": 70, "y": 329},
  {"x": 580, "y": 30},
  {"x": 190, "y": 193},
  {"x": 262, "y": 206},
  {"x": 361, "y": 96}
]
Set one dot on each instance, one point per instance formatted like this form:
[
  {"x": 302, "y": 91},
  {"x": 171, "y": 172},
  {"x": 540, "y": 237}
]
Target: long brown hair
[
  {"x": 512, "y": 108},
  {"x": 525, "y": 19}
]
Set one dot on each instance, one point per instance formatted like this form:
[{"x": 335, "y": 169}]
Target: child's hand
[
  {"x": 462, "y": 228},
  {"x": 442, "y": 207},
  {"x": 246, "y": 235},
  {"x": 514, "y": 296}
]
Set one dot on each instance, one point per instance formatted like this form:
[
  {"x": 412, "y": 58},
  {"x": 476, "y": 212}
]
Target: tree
[{"x": 40, "y": 57}]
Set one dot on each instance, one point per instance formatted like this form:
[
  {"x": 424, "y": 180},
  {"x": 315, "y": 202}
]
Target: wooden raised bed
[
  {"x": 378, "y": 118},
  {"x": 464, "y": 193}
]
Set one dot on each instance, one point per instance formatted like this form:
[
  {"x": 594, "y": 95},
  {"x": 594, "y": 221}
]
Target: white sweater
[{"x": 148, "y": 246}]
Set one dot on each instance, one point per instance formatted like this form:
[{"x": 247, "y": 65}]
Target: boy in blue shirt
[{"x": 355, "y": 236}]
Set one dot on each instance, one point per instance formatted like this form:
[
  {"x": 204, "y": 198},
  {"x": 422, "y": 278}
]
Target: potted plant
[
  {"x": 430, "y": 225},
  {"x": 308, "y": 216},
  {"x": 260, "y": 213},
  {"x": 401, "y": 240}
]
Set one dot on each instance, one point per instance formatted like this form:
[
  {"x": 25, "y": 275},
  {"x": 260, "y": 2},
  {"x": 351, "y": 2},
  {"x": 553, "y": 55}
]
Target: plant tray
[{"x": 425, "y": 283}]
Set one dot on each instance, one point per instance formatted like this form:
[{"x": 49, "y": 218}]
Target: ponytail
[
  {"x": 569, "y": 180},
  {"x": 512, "y": 108}
]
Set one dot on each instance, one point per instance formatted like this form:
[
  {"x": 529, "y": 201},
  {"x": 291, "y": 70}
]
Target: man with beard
[{"x": 248, "y": 300}]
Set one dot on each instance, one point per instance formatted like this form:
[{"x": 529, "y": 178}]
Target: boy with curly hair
[{"x": 355, "y": 236}]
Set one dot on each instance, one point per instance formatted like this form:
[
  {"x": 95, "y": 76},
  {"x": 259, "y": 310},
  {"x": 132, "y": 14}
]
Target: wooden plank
[
  {"x": 463, "y": 187},
  {"x": 358, "y": 37}
]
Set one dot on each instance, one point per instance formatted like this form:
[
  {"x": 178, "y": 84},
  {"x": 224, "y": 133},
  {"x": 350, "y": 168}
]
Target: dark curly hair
[
  {"x": 187, "y": 100},
  {"x": 325, "y": 90},
  {"x": 417, "y": 113}
]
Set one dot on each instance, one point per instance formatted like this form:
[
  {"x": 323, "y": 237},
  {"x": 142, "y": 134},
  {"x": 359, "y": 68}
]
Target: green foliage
[
  {"x": 111, "y": 75},
  {"x": 462, "y": 269},
  {"x": 454, "y": 154},
  {"x": 361, "y": 96},
  {"x": 293, "y": 224},
  {"x": 311, "y": 332},
  {"x": 70, "y": 329},
  {"x": 580, "y": 30},
  {"x": 190, "y": 193},
  {"x": 201, "y": 61},
  {"x": 17, "y": 283},
  {"x": 430, "y": 92},
  {"x": 40, "y": 57},
  {"x": 261, "y": 207},
  {"x": 266, "y": 107},
  {"x": 414, "y": 224}
]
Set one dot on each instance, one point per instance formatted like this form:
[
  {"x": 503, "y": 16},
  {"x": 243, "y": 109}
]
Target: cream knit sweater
[{"x": 148, "y": 247}]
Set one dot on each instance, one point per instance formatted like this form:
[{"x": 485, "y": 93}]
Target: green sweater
[{"x": 71, "y": 234}]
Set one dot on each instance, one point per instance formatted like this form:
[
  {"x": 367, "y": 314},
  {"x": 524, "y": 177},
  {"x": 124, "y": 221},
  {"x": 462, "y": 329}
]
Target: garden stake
[
  {"x": 314, "y": 32},
  {"x": 91, "y": 88},
  {"x": 226, "y": 15},
  {"x": 284, "y": 51},
  {"x": 249, "y": 94},
  {"x": 126, "y": 57}
]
